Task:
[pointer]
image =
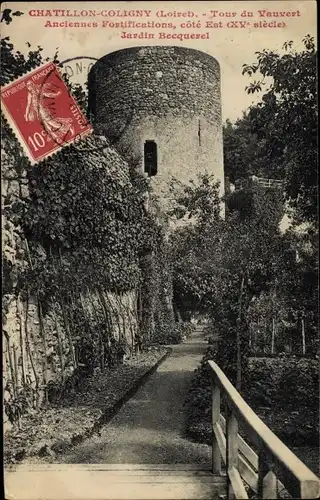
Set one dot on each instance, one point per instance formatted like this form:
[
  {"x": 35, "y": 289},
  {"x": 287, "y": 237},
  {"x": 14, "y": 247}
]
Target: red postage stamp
[{"x": 42, "y": 112}]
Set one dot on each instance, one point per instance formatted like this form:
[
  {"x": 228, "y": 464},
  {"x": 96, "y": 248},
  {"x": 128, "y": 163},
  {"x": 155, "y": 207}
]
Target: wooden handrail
[
  {"x": 305, "y": 483},
  {"x": 260, "y": 181}
]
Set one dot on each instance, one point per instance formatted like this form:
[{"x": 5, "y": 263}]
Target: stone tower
[{"x": 169, "y": 95}]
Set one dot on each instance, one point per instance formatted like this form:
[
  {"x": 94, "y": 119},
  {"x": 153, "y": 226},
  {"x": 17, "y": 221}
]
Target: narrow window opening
[
  {"x": 150, "y": 158},
  {"x": 199, "y": 132}
]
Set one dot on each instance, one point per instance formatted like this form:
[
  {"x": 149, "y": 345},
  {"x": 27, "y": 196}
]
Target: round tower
[{"x": 166, "y": 98}]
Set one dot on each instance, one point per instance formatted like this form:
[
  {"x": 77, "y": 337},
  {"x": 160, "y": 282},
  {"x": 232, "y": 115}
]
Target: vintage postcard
[{"x": 159, "y": 250}]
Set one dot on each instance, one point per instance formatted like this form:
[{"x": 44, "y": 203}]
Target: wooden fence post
[
  {"x": 242, "y": 462},
  {"x": 216, "y": 455},
  {"x": 273, "y": 335},
  {"x": 231, "y": 450},
  {"x": 303, "y": 333},
  {"x": 267, "y": 480}
]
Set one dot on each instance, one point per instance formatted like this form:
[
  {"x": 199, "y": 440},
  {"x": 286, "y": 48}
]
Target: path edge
[
  {"x": 107, "y": 415},
  {"x": 113, "y": 410}
]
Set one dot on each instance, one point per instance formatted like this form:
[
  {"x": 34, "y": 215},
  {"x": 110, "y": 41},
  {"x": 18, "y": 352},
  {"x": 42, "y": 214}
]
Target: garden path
[{"x": 149, "y": 429}]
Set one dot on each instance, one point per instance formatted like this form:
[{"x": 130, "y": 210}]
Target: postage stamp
[{"x": 42, "y": 112}]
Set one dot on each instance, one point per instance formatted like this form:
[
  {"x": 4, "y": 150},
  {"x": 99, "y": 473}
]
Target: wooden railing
[
  {"x": 245, "y": 466},
  {"x": 260, "y": 181},
  {"x": 269, "y": 183}
]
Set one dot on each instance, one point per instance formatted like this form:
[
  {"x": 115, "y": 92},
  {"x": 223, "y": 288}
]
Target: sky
[{"x": 230, "y": 44}]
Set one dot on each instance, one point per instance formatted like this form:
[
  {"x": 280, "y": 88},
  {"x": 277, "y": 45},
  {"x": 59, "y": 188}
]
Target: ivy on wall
[
  {"x": 86, "y": 235},
  {"x": 90, "y": 262},
  {"x": 84, "y": 209}
]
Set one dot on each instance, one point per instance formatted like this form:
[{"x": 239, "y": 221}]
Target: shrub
[
  {"x": 299, "y": 384},
  {"x": 173, "y": 334},
  {"x": 260, "y": 386},
  {"x": 198, "y": 402},
  {"x": 188, "y": 328},
  {"x": 287, "y": 382},
  {"x": 288, "y": 386}
]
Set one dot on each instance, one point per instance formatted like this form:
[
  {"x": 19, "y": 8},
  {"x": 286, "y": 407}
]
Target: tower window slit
[
  {"x": 150, "y": 158},
  {"x": 199, "y": 132}
]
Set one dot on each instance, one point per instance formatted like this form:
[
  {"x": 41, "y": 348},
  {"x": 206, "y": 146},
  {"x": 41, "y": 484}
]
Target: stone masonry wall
[
  {"x": 167, "y": 94},
  {"x": 26, "y": 356}
]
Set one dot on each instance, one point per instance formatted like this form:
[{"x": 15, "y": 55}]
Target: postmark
[
  {"x": 42, "y": 112},
  {"x": 77, "y": 70}
]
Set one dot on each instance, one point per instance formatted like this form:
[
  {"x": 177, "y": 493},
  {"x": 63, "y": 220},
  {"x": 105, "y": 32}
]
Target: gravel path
[{"x": 150, "y": 427}]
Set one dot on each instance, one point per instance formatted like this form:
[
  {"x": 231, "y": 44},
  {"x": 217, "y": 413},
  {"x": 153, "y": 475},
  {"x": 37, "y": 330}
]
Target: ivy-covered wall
[{"x": 76, "y": 231}]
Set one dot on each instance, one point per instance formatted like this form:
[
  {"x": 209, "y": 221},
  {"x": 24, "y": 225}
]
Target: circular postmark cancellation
[
  {"x": 76, "y": 72},
  {"x": 73, "y": 72},
  {"x": 78, "y": 68},
  {"x": 59, "y": 128}
]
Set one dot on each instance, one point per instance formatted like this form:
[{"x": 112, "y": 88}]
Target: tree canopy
[
  {"x": 277, "y": 137},
  {"x": 222, "y": 264}
]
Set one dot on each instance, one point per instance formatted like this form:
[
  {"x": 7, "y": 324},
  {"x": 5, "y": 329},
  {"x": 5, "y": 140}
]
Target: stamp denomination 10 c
[{"x": 42, "y": 112}]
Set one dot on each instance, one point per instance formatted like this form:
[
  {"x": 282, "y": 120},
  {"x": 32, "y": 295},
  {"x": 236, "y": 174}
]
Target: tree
[
  {"x": 243, "y": 150},
  {"x": 222, "y": 264},
  {"x": 286, "y": 120},
  {"x": 298, "y": 287},
  {"x": 195, "y": 205},
  {"x": 277, "y": 138},
  {"x": 15, "y": 64}
]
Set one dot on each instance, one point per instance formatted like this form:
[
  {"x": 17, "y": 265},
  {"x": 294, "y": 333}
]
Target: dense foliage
[
  {"x": 277, "y": 137},
  {"x": 84, "y": 207},
  {"x": 223, "y": 264},
  {"x": 86, "y": 234},
  {"x": 287, "y": 385},
  {"x": 261, "y": 285},
  {"x": 242, "y": 151}
]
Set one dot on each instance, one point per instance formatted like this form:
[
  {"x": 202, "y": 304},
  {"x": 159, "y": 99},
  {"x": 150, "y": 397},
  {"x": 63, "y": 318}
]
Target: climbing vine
[{"x": 94, "y": 262}]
